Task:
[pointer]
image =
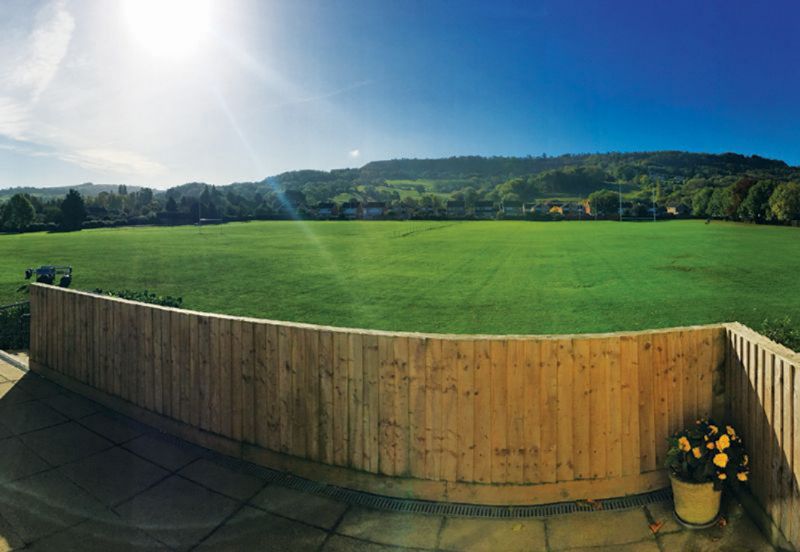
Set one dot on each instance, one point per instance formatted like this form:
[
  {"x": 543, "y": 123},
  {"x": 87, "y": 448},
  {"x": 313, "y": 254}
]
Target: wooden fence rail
[
  {"x": 763, "y": 392},
  {"x": 481, "y": 419}
]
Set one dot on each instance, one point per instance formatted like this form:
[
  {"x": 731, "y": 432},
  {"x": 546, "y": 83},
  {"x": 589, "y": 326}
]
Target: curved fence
[{"x": 480, "y": 419}]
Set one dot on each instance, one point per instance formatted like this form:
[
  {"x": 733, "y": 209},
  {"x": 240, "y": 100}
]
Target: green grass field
[{"x": 462, "y": 277}]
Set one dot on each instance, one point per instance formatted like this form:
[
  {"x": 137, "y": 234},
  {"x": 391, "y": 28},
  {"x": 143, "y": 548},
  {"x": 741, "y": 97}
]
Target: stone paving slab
[
  {"x": 17, "y": 460},
  {"x": 64, "y": 443},
  {"x": 493, "y": 534},
  {"x": 312, "y": 509},
  {"x": 240, "y": 486},
  {"x": 98, "y": 536},
  {"x": 252, "y": 529},
  {"x": 114, "y": 428},
  {"x": 601, "y": 528},
  {"x": 44, "y": 503},
  {"x": 114, "y": 475},
  {"x": 394, "y": 528},
  {"x": 164, "y": 452},
  {"x": 72, "y": 405},
  {"x": 177, "y": 512},
  {"x": 29, "y": 416}
]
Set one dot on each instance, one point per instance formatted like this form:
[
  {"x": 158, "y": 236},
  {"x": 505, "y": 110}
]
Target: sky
[{"x": 161, "y": 92}]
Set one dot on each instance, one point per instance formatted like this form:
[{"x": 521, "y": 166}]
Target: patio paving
[{"x": 77, "y": 476}]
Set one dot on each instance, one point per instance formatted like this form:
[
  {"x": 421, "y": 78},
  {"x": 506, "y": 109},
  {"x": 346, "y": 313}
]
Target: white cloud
[{"x": 355, "y": 153}]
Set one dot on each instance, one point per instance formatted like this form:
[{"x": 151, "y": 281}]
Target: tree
[
  {"x": 73, "y": 211},
  {"x": 18, "y": 213},
  {"x": 700, "y": 201},
  {"x": 604, "y": 202},
  {"x": 755, "y": 206},
  {"x": 719, "y": 205},
  {"x": 172, "y": 206},
  {"x": 785, "y": 202}
]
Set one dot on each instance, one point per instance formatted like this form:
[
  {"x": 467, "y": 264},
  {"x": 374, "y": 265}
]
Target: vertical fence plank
[
  {"x": 482, "y": 458},
  {"x": 273, "y": 402},
  {"x": 614, "y": 460},
  {"x": 237, "y": 404},
  {"x": 225, "y": 371},
  {"x": 433, "y": 408},
  {"x": 351, "y": 349},
  {"x": 629, "y": 397},
  {"x": 371, "y": 366},
  {"x": 417, "y": 387},
  {"x": 388, "y": 395},
  {"x": 661, "y": 392},
  {"x": 343, "y": 400},
  {"x": 466, "y": 410},
  {"x": 402, "y": 435},
  {"x": 598, "y": 403},
  {"x": 647, "y": 431},
  {"x": 327, "y": 411},
  {"x": 582, "y": 422},
  {"x": 515, "y": 410},
  {"x": 565, "y": 367},
  {"x": 449, "y": 369},
  {"x": 249, "y": 384},
  {"x": 499, "y": 410},
  {"x": 549, "y": 411},
  {"x": 531, "y": 386}
]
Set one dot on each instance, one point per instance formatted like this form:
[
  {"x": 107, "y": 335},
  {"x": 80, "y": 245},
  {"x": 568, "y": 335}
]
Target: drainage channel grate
[
  {"x": 451, "y": 509},
  {"x": 380, "y": 502}
]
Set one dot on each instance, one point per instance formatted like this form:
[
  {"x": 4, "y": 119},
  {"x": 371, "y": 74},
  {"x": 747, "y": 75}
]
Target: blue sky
[{"x": 159, "y": 93}]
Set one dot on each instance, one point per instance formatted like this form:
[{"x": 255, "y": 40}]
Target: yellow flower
[
  {"x": 683, "y": 444},
  {"x": 722, "y": 476},
  {"x": 741, "y": 476},
  {"x": 721, "y": 459},
  {"x": 705, "y": 437},
  {"x": 714, "y": 429},
  {"x": 696, "y": 452},
  {"x": 745, "y": 460},
  {"x": 709, "y": 446},
  {"x": 730, "y": 431},
  {"x": 723, "y": 443}
]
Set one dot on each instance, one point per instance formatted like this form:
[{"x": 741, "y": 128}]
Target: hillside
[{"x": 87, "y": 190}]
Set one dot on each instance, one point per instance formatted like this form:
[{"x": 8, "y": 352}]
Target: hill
[{"x": 87, "y": 189}]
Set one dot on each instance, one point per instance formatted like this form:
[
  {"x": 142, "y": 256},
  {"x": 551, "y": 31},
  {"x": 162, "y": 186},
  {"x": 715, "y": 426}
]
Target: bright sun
[{"x": 168, "y": 28}]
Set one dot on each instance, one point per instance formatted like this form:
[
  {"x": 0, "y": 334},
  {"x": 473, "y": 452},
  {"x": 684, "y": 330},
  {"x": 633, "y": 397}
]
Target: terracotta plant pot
[{"x": 696, "y": 504}]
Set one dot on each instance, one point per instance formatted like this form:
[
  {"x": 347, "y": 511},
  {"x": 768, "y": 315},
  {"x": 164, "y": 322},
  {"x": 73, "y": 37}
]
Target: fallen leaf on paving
[
  {"x": 656, "y": 527},
  {"x": 517, "y": 527}
]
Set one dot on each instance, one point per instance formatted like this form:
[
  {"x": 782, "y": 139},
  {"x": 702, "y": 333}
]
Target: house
[
  {"x": 374, "y": 210},
  {"x": 326, "y": 210},
  {"x": 573, "y": 210},
  {"x": 456, "y": 209},
  {"x": 485, "y": 210},
  {"x": 350, "y": 210},
  {"x": 537, "y": 209},
  {"x": 512, "y": 209},
  {"x": 679, "y": 211}
]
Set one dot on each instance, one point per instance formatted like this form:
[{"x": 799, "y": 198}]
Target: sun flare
[{"x": 168, "y": 28}]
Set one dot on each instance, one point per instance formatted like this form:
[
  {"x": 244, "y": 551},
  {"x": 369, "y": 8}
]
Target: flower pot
[{"x": 696, "y": 504}]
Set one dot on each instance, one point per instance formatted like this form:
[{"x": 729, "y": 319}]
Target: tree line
[{"x": 730, "y": 186}]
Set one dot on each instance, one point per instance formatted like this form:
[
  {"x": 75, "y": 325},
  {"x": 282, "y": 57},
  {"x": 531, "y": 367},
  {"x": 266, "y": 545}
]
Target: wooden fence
[
  {"x": 763, "y": 391},
  {"x": 481, "y": 419}
]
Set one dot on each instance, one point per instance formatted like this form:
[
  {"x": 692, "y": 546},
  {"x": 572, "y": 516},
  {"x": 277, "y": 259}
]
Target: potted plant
[{"x": 701, "y": 460}]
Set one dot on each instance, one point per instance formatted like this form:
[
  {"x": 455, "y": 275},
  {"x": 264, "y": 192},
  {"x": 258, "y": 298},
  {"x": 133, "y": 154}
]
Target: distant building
[
  {"x": 485, "y": 209},
  {"x": 679, "y": 211},
  {"x": 326, "y": 210},
  {"x": 374, "y": 209},
  {"x": 537, "y": 209},
  {"x": 555, "y": 208},
  {"x": 512, "y": 208},
  {"x": 456, "y": 209},
  {"x": 350, "y": 210}
]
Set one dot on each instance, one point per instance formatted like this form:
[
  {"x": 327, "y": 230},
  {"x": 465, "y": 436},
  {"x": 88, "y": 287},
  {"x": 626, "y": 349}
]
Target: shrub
[
  {"x": 782, "y": 331},
  {"x": 14, "y": 326},
  {"x": 143, "y": 296}
]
